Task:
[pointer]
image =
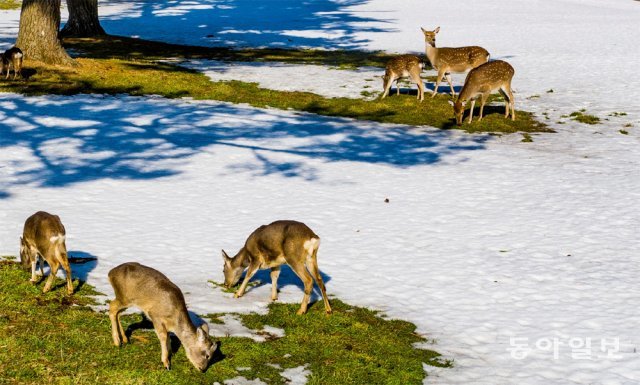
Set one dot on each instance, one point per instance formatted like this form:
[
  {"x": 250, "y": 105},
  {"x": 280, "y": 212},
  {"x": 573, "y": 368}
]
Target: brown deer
[
  {"x": 12, "y": 56},
  {"x": 483, "y": 81},
  {"x": 401, "y": 67},
  {"x": 271, "y": 246},
  {"x": 44, "y": 237},
  {"x": 448, "y": 60},
  {"x": 163, "y": 304}
]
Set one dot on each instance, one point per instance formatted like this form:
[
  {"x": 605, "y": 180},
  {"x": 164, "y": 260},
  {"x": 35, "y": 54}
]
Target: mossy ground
[
  {"x": 56, "y": 339},
  {"x": 116, "y": 65}
]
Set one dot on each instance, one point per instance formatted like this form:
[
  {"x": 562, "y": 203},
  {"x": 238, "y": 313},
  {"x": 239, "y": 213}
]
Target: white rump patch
[
  {"x": 57, "y": 238},
  {"x": 311, "y": 244}
]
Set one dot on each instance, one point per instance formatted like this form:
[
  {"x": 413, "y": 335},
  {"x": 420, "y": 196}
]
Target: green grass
[
  {"x": 52, "y": 338},
  {"x": 582, "y": 117},
  {"x": 135, "y": 77},
  {"x": 10, "y": 4}
]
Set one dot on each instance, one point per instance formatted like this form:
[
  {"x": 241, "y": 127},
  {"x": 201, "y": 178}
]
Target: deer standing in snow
[
  {"x": 483, "y": 81},
  {"x": 448, "y": 60},
  {"x": 271, "y": 246},
  {"x": 401, "y": 67},
  {"x": 44, "y": 237},
  {"x": 163, "y": 303}
]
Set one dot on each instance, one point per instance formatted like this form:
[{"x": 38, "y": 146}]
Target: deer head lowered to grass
[
  {"x": 483, "y": 81},
  {"x": 163, "y": 304},
  {"x": 271, "y": 246}
]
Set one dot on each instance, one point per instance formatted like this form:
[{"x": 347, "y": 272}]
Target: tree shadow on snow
[
  {"x": 66, "y": 140},
  {"x": 248, "y": 23}
]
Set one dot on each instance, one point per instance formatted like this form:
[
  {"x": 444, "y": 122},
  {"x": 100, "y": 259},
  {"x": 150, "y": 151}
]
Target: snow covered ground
[{"x": 487, "y": 244}]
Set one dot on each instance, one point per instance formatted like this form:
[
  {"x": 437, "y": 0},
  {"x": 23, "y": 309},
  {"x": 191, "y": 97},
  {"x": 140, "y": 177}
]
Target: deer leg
[
  {"x": 512, "y": 103},
  {"x": 387, "y": 87},
  {"x": 275, "y": 273},
  {"x": 483, "y": 100},
  {"x": 34, "y": 266},
  {"x": 115, "y": 307},
  {"x": 438, "y": 80},
  {"x": 303, "y": 274},
  {"x": 41, "y": 260},
  {"x": 312, "y": 265},
  {"x": 448, "y": 77},
  {"x": 506, "y": 102},
  {"x": 418, "y": 80},
  {"x": 473, "y": 103},
  {"x": 250, "y": 272},
  {"x": 397, "y": 86},
  {"x": 165, "y": 343},
  {"x": 67, "y": 271},
  {"x": 52, "y": 276}
]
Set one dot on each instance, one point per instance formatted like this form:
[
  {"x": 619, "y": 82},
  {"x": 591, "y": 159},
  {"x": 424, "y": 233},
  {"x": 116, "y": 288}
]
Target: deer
[
  {"x": 163, "y": 304},
  {"x": 271, "y": 246},
  {"x": 12, "y": 56},
  {"x": 44, "y": 237},
  {"x": 448, "y": 60},
  {"x": 403, "y": 66},
  {"x": 483, "y": 81}
]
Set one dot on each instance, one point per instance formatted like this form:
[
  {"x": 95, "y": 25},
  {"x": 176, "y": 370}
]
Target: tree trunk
[
  {"x": 83, "y": 19},
  {"x": 38, "y": 32}
]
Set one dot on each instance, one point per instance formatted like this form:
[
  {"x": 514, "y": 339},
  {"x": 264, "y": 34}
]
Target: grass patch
[
  {"x": 582, "y": 117},
  {"x": 526, "y": 138},
  {"x": 624, "y": 132},
  {"x": 10, "y": 4},
  {"x": 137, "y": 77},
  {"x": 53, "y": 338},
  {"x": 616, "y": 114}
]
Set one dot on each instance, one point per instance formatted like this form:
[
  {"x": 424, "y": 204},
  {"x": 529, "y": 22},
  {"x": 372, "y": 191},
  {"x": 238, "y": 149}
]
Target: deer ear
[
  {"x": 205, "y": 328},
  {"x": 225, "y": 257},
  {"x": 202, "y": 335},
  {"x": 423, "y": 30},
  {"x": 437, "y": 30}
]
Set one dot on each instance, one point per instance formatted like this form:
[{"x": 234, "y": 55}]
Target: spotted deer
[
  {"x": 44, "y": 237},
  {"x": 271, "y": 246},
  {"x": 451, "y": 60},
  {"x": 163, "y": 304},
  {"x": 401, "y": 67},
  {"x": 12, "y": 56},
  {"x": 483, "y": 81}
]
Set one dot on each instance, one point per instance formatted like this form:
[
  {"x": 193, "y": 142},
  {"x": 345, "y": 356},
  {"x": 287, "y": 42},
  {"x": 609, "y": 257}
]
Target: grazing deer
[
  {"x": 483, "y": 81},
  {"x": 448, "y": 60},
  {"x": 163, "y": 303},
  {"x": 44, "y": 237},
  {"x": 12, "y": 56},
  {"x": 270, "y": 246},
  {"x": 401, "y": 67}
]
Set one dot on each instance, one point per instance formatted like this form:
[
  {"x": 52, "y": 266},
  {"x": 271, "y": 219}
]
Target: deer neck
[
  {"x": 241, "y": 259},
  {"x": 185, "y": 331},
  {"x": 432, "y": 53}
]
